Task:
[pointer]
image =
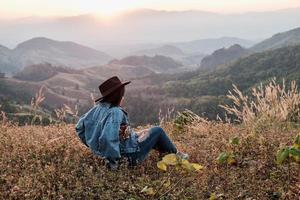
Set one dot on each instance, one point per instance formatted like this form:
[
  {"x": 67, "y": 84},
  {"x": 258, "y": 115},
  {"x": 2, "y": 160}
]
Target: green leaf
[
  {"x": 234, "y": 141},
  {"x": 170, "y": 159},
  {"x": 222, "y": 158},
  {"x": 161, "y": 165},
  {"x": 282, "y": 155},
  {"x": 294, "y": 152}
]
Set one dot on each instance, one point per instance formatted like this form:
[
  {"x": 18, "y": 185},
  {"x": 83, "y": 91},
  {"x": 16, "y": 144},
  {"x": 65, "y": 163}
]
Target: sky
[{"x": 25, "y": 8}]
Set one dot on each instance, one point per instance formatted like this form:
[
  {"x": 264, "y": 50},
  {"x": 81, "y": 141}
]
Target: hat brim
[{"x": 123, "y": 84}]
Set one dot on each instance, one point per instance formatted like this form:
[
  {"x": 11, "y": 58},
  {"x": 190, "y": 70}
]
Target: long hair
[{"x": 115, "y": 98}]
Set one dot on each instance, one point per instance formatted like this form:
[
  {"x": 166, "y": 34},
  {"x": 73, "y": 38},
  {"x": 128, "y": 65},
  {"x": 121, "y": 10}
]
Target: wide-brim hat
[{"x": 109, "y": 86}]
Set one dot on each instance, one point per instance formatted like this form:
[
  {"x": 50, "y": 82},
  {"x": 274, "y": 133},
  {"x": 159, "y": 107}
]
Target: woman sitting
[{"x": 106, "y": 131}]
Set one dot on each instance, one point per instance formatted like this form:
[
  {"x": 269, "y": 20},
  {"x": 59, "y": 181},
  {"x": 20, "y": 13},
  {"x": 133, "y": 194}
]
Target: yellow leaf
[
  {"x": 161, "y": 165},
  {"x": 170, "y": 159},
  {"x": 168, "y": 183},
  {"x": 231, "y": 160},
  {"x": 148, "y": 191},
  {"x": 186, "y": 165},
  {"x": 212, "y": 196},
  {"x": 196, "y": 166}
]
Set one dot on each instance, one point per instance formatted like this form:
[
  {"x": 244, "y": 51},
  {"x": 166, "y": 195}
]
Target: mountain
[
  {"x": 223, "y": 56},
  {"x": 157, "y": 63},
  {"x": 245, "y": 72},
  {"x": 69, "y": 54},
  {"x": 64, "y": 85},
  {"x": 199, "y": 91},
  {"x": 151, "y": 26},
  {"x": 279, "y": 40},
  {"x": 41, "y": 72},
  {"x": 5, "y": 63},
  {"x": 43, "y": 50},
  {"x": 165, "y": 50},
  {"x": 174, "y": 52},
  {"x": 208, "y": 46}
]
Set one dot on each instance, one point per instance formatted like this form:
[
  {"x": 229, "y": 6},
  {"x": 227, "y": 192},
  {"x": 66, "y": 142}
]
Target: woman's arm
[{"x": 109, "y": 142}]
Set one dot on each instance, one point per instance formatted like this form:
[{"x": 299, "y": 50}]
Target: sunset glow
[{"x": 21, "y": 8}]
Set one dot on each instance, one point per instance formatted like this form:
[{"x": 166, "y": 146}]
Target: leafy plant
[
  {"x": 185, "y": 118},
  {"x": 229, "y": 157},
  {"x": 289, "y": 154},
  {"x": 171, "y": 163}
]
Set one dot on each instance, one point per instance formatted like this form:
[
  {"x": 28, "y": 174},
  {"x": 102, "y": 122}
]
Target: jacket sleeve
[
  {"x": 80, "y": 130},
  {"x": 109, "y": 141}
]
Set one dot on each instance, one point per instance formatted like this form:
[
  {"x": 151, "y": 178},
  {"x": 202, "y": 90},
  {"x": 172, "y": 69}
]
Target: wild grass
[
  {"x": 270, "y": 104},
  {"x": 49, "y": 162}
]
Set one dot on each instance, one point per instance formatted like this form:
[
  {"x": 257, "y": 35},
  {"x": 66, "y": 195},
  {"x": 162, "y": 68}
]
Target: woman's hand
[{"x": 142, "y": 135}]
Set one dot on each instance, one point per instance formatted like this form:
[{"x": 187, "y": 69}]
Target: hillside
[
  {"x": 64, "y": 85},
  {"x": 41, "y": 72},
  {"x": 223, "y": 56},
  {"x": 149, "y": 92},
  {"x": 203, "y": 92},
  {"x": 288, "y": 38},
  {"x": 58, "y": 53},
  {"x": 157, "y": 63},
  {"x": 70, "y": 54},
  {"x": 5, "y": 62},
  {"x": 246, "y": 72}
]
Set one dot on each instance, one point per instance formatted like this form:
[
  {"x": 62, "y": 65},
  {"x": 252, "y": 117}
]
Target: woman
[{"x": 105, "y": 130}]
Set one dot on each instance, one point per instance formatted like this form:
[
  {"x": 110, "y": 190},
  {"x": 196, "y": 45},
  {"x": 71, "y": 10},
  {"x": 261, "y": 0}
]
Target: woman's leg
[{"x": 156, "y": 139}]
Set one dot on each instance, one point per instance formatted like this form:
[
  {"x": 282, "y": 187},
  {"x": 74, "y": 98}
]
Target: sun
[{"x": 107, "y": 8}]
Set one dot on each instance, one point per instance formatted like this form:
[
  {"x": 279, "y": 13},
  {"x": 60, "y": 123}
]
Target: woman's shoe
[{"x": 182, "y": 155}]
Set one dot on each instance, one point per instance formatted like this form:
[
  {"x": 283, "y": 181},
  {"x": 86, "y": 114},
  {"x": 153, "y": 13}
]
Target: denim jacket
[{"x": 99, "y": 129}]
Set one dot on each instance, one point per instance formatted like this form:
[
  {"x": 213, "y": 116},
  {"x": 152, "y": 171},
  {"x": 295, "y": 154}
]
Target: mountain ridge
[
  {"x": 40, "y": 50},
  {"x": 286, "y": 38}
]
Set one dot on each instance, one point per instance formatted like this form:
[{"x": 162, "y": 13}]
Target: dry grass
[
  {"x": 50, "y": 163},
  {"x": 269, "y": 104}
]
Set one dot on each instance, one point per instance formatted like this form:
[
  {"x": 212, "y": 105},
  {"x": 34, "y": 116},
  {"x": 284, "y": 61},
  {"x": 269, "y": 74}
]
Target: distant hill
[
  {"x": 199, "y": 91},
  {"x": 41, "y": 72},
  {"x": 157, "y": 63},
  {"x": 279, "y": 40},
  {"x": 44, "y": 50},
  {"x": 165, "y": 50},
  {"x": 5, "y": 62},
  {"x": 207, "y": 46},
  {"x": 69, "y": 54},
  {"x": 223, "y": 56},
  {"x": 246, "y": 72}
]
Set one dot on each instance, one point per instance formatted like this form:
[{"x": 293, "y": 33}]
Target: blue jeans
[{"x": 158, "y": 140}]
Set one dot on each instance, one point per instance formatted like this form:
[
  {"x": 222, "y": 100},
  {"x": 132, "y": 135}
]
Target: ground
[{"x": 50, "y": 163}]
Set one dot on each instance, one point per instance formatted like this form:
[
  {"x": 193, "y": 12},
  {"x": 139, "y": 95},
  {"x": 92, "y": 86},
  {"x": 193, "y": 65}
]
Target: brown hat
[{"x": 109, "y": 86}]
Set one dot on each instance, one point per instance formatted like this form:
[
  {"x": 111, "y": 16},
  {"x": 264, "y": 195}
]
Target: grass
[{"x": 49, "y": 162}]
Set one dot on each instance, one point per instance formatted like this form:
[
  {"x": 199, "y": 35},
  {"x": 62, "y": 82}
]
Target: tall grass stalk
[
  {"x": 270, "y": 103},
  {"x": 35, "y": 104}
]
